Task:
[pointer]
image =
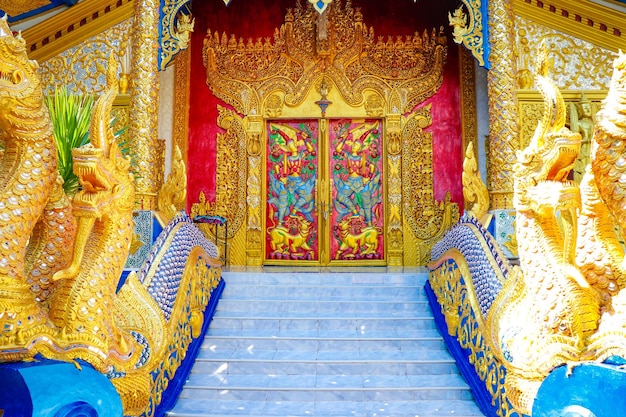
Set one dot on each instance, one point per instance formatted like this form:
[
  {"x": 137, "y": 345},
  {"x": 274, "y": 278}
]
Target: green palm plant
[{"x": 70, "y": 115}]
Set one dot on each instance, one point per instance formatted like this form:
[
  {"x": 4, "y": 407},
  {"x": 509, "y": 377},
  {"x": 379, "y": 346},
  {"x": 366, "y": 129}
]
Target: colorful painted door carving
[
  {"x": 324, "y": 201},
  {"x": 291, "y": 223},
  {"x": 357, "y": 219}
]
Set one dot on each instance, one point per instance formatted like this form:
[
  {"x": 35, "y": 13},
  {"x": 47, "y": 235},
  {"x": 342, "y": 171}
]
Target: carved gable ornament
[{"x": 335, "y": 45}]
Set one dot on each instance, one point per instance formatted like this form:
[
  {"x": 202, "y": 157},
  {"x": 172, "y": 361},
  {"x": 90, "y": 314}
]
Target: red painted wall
[{"x": 246, "y": 18}]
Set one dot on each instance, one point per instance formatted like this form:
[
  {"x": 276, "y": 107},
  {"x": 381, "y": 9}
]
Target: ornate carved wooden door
[
  {"x": 291, "y": 182},
  {"x": 357, "y": 198},
  {"x": 324, "y": 192}
]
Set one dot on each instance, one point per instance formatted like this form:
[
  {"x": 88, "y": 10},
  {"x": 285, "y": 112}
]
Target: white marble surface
[{"x": 320, "y": 343}]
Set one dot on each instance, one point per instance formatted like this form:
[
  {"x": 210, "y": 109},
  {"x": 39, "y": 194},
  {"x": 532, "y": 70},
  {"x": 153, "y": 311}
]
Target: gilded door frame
[{"x": 346, "y": 73}]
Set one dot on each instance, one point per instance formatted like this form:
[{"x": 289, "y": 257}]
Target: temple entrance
[
  {"x": 326, "y": 156},
  {"x": 324, "y": 192}
]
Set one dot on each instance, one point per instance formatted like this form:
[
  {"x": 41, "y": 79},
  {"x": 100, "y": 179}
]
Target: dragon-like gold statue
[
  {"x": 82, "y": 306},
  {"x": 531, "y": 330},
  {"x": 566, "y": 304},
  {"x": 600, "y": 252},
  {"x": 542, "y": 319},
  {"x": 61, "y": 260},
  {"x": 36, "y": 225}
]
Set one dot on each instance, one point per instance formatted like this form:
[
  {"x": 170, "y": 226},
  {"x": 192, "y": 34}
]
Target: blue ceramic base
[
  {"x": 49, "y": 388},
  {"x": 590, "y": 390}
]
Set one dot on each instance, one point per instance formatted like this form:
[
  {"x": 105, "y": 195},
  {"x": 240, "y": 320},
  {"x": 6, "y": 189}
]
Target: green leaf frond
[{"x": 70, "y": 115}]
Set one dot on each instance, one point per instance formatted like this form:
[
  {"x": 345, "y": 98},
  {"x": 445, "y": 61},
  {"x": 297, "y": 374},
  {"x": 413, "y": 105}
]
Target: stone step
[
  {"x": 310, "y": 407},
  {"x": 324, "y": 344},
  {"x": 360, "y": 325},
  {"x": 342, "y": 308},
  {"x": 424, "y": 340}
]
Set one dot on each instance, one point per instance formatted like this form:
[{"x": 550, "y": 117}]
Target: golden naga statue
[
  {"x": 60, "y": 309},
  {"x": 566, "y": 303},
  {"x": 36, "y": 225},
  {"x": 61, "y": 261},
  {"x": 544, "y": 314}
]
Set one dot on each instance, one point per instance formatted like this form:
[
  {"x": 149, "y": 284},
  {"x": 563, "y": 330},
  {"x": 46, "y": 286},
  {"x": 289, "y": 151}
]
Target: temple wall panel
[
  {"x": 80, "y": 69},
  {"x": 578, "y": 65}
]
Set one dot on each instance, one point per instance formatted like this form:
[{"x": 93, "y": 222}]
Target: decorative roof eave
[
  {"x": 599, "y": 25},
  {"x": 176, "y": 25},
  {"x": 472, "y": 29},
  {"x": 74, "y": 25}
]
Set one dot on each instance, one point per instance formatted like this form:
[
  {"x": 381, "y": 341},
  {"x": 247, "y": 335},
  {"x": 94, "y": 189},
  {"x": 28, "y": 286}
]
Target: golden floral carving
[
  {"x": 274, "y": 106},
  {"x": 529, "y": 113},
  {"x": 230, "y": 175},
  {"x": 253, "y": 200},
  {"x": 501, "y": 82},
  {"x": 144, "y": 87},
  {"x": 181, "y": 102},
  {"x": 241, "y": 72},
  {"x": 374, "y": 105},
  {"x": 177, "y": 25},
  {"x": 468, "y": 28},
  {"x": 577, "y": 64},
  {"x": 469, "y": 123},
  {"x": 427, "y": 218},
  {"x": 80, "y": 68}
]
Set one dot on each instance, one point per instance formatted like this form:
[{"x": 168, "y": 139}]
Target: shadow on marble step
[
  {"x": 435, "y": 408},
  {"x": 331, "y": 324},
  {"x": 300, "y": 354},
  {"x": 305, "y": 382},
  {"x": 313, "y": 367},
  {"x": 366, "y": 293},
  {"x": 217, "y": 344},
  {"x": 329, "y": 394},
  {"x": 350, "y": 334},
  {"x": 325, "y": 308}
]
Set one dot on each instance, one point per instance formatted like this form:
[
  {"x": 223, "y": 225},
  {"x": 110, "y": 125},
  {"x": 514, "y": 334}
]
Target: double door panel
[{"x": 324, "y": 192}]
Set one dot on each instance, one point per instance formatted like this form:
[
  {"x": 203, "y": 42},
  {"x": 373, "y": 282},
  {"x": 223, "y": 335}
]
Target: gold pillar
[
  {"x": 395, "y": 248},
  {"x": 254, "y": 241},
  {"x": 143, "y": 129},
  {"x": 181, "y": 102},
  {"x": 503, "y": 135}
]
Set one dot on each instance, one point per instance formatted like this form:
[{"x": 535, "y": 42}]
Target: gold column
[
  {"x": 181, "y": 102},
  {"x": 143, "y": 129},
  {"x": 254, "y": 241},
  {"x": 395, "y": 249},
  {"x": 503, "y": 135}
]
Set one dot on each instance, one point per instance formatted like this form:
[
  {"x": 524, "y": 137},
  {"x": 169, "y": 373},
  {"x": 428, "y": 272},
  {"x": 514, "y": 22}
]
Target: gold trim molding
[
  {"x": 181, "y": 102},
  {"x": 592, "y": 22},
  {"x": 501, "y": 83}
]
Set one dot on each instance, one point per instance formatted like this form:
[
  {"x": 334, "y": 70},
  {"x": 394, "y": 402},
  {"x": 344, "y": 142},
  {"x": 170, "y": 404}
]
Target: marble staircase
[{"x": 351, "y": 343}]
